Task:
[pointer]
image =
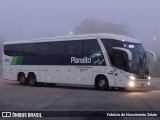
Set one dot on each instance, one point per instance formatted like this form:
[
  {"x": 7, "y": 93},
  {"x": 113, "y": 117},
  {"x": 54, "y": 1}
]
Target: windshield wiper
[{"x": 142, "y": 65}]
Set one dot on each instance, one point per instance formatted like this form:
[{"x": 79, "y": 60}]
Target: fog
[{"x": 30, "y": 19}]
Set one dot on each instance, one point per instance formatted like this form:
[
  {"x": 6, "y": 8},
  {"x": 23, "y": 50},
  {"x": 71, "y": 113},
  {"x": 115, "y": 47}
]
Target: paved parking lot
[{"x": 14, "y": 97}]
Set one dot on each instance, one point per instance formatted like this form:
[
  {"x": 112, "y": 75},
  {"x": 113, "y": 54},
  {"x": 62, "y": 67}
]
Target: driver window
[{"x": 119, "y": 61}]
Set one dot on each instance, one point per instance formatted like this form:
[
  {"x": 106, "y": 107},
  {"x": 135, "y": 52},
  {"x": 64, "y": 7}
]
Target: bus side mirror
[{"x": 151, "y": 55}]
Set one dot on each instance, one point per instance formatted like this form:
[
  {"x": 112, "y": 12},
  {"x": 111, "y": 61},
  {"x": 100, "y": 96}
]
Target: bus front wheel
[
  {"x": 32, "y": 80},
  {"x": 102, "y": 83}
]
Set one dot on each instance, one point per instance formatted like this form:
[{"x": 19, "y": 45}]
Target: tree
[{"x": 95, "y": 26}]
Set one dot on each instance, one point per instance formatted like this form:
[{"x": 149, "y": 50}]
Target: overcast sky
[{"x": 29, "y": 19}]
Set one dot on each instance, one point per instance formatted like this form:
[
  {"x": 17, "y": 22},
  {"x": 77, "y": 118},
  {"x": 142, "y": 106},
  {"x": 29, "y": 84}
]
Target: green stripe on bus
[
  {"x": 16, "y": 60},
  {"x": 19, "y": 61}
]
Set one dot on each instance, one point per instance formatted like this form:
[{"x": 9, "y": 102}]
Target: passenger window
[
  {"x": 91, "y": 47},
  {"x": 42, "y": 49},
  {"x": 109, "y": 43},
  {"x": 29, "y": 49},
  {"x": 13, "y": 50},
  {"x": 74, "y": 47},
  {"x": 57, "y": 48}
]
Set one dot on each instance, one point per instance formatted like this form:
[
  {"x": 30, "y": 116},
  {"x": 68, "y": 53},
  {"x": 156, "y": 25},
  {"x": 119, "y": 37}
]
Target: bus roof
[{"x": 80, "y": 37}]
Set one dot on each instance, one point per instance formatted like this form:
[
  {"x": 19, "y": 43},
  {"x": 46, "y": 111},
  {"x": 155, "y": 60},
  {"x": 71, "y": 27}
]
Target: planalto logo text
[{"x": 80, "y": 60}]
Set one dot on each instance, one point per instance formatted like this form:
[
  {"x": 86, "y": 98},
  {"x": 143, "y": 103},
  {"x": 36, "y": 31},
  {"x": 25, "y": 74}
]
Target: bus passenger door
[
  {"x": 120, "y": 67},
  {"x": 84, "y": 75},
  {"x": 119, "y": 78}
]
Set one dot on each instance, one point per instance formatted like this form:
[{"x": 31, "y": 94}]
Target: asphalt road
[{"x": 14, "y": 97}]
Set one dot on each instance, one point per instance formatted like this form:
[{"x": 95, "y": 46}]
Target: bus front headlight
[
  {"x": 149, "y": 77},
  {"x": 131, "y": 84}
]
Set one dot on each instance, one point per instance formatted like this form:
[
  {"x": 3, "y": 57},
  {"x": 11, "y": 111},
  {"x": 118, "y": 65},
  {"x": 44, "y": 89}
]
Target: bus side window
[
  {"x": 13, "y": 50},
  {"x": 91, "y": 47},
  {"x": 42, "y": 49},
  {"x": 74, "y": 47},
  {"x": 29, "y": 49},
  {"x": 57, "y": 48}
]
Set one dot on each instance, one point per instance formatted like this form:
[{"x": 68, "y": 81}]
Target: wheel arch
[{"x": 31, "y": 73}]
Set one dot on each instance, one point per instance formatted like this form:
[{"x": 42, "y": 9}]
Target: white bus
[{"x": 101, "y": 60}]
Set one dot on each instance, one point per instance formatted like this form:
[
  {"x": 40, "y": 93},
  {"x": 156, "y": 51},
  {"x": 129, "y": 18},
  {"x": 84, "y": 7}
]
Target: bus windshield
[{"x": 139, "y": 62}]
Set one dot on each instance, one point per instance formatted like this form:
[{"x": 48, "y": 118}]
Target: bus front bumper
[{"x": 139, "y": 83}]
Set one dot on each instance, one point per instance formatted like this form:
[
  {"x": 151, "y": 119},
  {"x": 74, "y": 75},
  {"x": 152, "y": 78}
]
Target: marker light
[
  {"x": 132, "y": 77},
  {"x": 131, "y": 46},
  {"x": 131, "y": 84}
]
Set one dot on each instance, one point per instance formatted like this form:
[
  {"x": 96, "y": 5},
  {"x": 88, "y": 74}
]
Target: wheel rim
[
  {"x": 102, "y": 83},
  {"x": 22, "y": 79},
  {"x": 32, "y": 81}
]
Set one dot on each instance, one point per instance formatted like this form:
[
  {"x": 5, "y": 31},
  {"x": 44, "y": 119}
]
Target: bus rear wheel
[
  {"x": 22, "y": 79},
  {"x": 32, "y": 80},
  {"x": 102, "y": 83}
]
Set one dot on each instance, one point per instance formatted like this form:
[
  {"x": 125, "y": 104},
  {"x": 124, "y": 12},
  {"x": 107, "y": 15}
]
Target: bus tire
[
  {"x": 22, "y": 79},
  {"x": 32, "y": 80},
  {"x": 102, "y": 83}
]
